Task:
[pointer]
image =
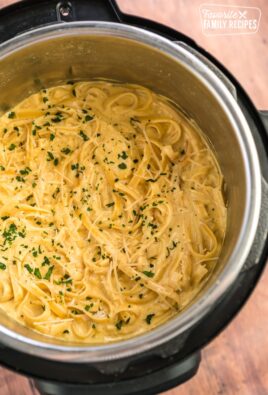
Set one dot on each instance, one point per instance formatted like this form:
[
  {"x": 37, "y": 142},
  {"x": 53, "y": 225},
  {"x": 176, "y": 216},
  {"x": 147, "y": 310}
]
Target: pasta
[{"x": 112, "y": 216}]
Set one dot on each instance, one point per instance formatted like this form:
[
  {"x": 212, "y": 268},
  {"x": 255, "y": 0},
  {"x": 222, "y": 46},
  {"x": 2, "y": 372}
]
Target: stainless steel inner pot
[{"x": 84, "y": 50}]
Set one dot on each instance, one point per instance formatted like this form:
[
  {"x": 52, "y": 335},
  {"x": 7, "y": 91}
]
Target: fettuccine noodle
[{"x": 112, "y": 216}]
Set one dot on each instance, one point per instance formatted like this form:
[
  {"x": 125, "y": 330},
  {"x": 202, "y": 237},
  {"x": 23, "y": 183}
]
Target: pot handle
[
  {"x": 25, "y": 15},
  {"x": 161, "y": 380},
  {"x": 96, "y": 10}
]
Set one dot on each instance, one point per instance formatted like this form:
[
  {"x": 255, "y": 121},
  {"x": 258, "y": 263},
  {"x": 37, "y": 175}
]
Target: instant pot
[{"x": 44, "y": 43}]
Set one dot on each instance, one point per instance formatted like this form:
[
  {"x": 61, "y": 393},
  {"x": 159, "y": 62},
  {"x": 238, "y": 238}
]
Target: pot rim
[{"x": 194, "y": 313}]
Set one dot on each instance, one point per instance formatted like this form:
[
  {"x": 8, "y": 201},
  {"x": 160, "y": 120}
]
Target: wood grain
[
  {"x": 244, "y": 55},
  {"x": 236, "y": 363}
]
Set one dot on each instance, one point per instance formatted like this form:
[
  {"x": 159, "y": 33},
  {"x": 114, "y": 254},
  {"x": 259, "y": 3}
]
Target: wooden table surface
[{"x": 236, "y": 362}]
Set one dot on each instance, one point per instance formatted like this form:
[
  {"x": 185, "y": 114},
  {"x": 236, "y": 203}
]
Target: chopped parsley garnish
[
  {"x": 25, "y": 171},
  {"x": 46, "y": 261},
  {"x": 65, "y": 280},
  {"x": 88, "y": 118},
  {"x": 37, "y": 273},
  {"x": 76, "y": 312},
  {"x": 57, "y": 190},
  {"x": 156, "y": 203},
  {"x": 75, "y": 166},
  {"x": 28, "y": 267},
  {"x": 83, "y": 135},
  {"x": 149, "y": 318},
  {"x": 66, "y": 150},
  {"x": 122, "y": 166},
  {"x": 124, "y": 155},
  {"x": 50, "y": 156},
  {"x": 110, "y": 204},
  {"x": 12, "y": 147},
  {"x": 51, "y": 137},
  {"x": 3, "y": 266},
  {"x": 79, "y": 169},
  {"x": 134, "y": 119},
  {"x": 89, "y": 306},
  {"x": 57, "y": 118},
  {"x": 119, "y": 324},
  {"x": 48, "y": 273},
  {"x": 11, "y": 233},
  {"x": 11, "y": 115},
  {"x": 45, "y": 99},
  {"x": 148, "y": 274},
  {"x": 20, "y": 179}
]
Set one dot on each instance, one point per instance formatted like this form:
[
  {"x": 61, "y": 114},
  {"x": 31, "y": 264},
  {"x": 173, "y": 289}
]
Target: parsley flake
[
  {"x": 48, "y": 273},
  {"x": 149, "y": 318},
  {"x": 122, "y": 166},
  {"x": 83, "y": 135},
  {"x": 11, "y": 115},
  {"x": 148, "y": 274},
  {"x": 12, "y": 147},
  {"x": 29, "y": 268},
  {"x": 37, "y": 273}
]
